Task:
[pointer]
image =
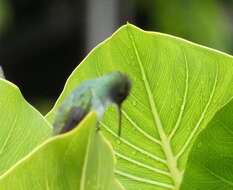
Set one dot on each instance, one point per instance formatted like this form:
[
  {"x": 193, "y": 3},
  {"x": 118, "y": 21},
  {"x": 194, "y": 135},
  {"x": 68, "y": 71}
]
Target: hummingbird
[{"x": 92, "y": 95}]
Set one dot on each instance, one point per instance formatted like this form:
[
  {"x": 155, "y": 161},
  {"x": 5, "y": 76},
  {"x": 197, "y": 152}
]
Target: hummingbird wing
[
  {"x": 75, "y": 116},
  {"x": 72, "y": 111}
]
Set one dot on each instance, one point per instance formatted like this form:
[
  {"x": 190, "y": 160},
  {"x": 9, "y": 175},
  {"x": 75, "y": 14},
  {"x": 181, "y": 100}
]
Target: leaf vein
[
  {"x": 9, "y": 135},
  {"x": 183, "y": 102},
  {"x": 142, "y": 165},
  {"x": 143, "y": 180},
  {"x": 133, "y": 146},
  {"x": 187, "y": 142},
  {"x": 140, "y": 130},
  {"x": 219, "y": 177}
]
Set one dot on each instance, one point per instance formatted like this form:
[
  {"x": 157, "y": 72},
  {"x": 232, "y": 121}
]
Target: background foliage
[{"x": 38, "y": 37}]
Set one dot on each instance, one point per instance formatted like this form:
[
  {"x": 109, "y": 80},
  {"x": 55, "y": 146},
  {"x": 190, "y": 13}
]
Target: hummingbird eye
[
  {"x": 120, "y": 95},
  {"x": 120, "y": 90}
]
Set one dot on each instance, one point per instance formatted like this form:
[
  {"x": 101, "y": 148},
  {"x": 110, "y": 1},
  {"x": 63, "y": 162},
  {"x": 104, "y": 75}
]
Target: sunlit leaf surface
[
  {"x": 81, "y": 159},
  {"x": 22, "y": 128}
]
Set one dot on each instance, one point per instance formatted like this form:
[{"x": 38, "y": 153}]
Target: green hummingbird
[{"x": 94, "y": 94}]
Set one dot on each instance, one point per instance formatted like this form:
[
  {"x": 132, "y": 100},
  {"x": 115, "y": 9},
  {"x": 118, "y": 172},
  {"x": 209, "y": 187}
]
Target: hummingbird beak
[{"x": 120, "y": 118}]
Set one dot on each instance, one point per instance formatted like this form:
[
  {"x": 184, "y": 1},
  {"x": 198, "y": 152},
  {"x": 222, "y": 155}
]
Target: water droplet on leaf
[
  {"x": 118, "y": 141},
  {"x": 199, "y": 145},
  {"x": 134, "y": 103}
]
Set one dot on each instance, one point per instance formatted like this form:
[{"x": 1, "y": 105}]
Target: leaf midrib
[{"x": 176, "y": 175}]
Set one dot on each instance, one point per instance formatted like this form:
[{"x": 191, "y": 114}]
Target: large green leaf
[
  {"x": 178, "y": 86},
  {"x": 211, "y": 160},
  {"x": 76, "y": 160},
  {"x": 22, "y": 128}
]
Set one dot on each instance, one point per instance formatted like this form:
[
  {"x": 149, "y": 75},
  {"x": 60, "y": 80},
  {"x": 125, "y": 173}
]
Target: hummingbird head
[
  {"x": 112, "y": 88},
  {"x": 120, "y": 88}
]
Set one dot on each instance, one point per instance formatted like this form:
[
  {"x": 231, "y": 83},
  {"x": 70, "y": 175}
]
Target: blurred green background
[{"x": 41, "y": 42}]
